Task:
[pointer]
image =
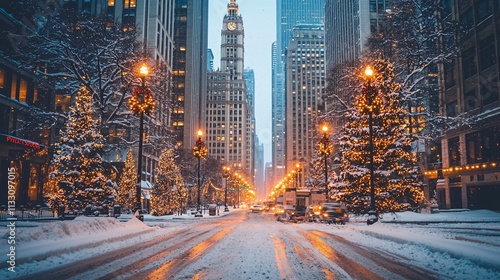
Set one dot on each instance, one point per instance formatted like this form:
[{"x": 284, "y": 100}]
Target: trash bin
[
  {"x": 60, "y": 211},
  {"x": 117, "y": 210},
  {"x": 212, "y": 209}
]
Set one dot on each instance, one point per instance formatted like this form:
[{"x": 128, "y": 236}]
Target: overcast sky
[{"x": 259, "y": 22}]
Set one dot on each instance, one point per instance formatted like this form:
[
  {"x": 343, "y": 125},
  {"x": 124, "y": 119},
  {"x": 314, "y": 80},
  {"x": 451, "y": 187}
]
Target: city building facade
[
  {"x": 288, "y": 14},
  {"x": 305, "y": 86},
  {"x": 189, "y": 70},
  {"x": 228, "y": 110},
  {"x": 24, "y": 159},
  {"x": 470, "y": 174}
]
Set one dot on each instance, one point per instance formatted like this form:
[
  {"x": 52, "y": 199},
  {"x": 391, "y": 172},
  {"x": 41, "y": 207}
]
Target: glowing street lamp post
[
  {"x": 141, "y": 103},
  {"x": 298, "y": 167},
  {"x": 199, "y": 151},
  {"x": 226, "y": 175},
  {"x": 370, "y": 109},
  {"x": 325, "y": 149}
]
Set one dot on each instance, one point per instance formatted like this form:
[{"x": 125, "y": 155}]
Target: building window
[
  {"x": 491, "y": 144},
  {"x": 129, "y": 4},
  {"x": 23, "y": 89},
  {"x": 469, "y": 65},
  {"x": 2, "y": 78},
  {"x": 467, "y": 20},
  {"x": 33, "y": 183},
  {"x": 487, "y": 54},
  {"x": 451, "y": 108},
  {"x": 446, "y": 5},
  {"x": 13, "y": 88},
  {"x": 449, "y": 74},
  {"x": 470, "y": 100},
  {"x": 473, "y": 141},
  {"x": 489, "y": 92},
  {"x": 454, "y": 151},
  {"x": 484, "y": 10}
]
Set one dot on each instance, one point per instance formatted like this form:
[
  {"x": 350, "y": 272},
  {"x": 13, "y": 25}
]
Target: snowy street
[{"x": 244, "y": 245}]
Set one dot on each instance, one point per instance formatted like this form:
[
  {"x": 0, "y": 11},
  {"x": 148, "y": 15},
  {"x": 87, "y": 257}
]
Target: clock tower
[
  {"x": 229, "y": 111},
  {"x": 232, "y": 51}
]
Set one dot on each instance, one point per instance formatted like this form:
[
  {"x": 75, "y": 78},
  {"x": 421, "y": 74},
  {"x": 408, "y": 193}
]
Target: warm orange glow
[
  {"x": 324, "y": 128},
  {"x": 368, "y": 71},
  {"x": 200, "y": 133},
  {"x": 144, "y": 71}
]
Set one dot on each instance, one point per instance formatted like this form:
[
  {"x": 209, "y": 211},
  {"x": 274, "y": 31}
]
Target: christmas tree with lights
[
  {"x": 78, "y": 179},
  {"x": 127, "y": 184},
  {"x": 394, "y": 164},
  {"x": 164, "y": 198}
]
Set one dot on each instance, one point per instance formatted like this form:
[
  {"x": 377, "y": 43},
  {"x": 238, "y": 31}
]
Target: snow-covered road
[{"x": 243, "y": 245}]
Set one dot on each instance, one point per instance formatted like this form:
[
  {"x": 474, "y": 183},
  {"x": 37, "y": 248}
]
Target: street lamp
[
  {"x": 238, "y": 182},
  {"x": 199, "y": 151},
  {"x": 141, "y": 103},
  {"x": 298, "y": 167},
  {"x": 226, "y": 174},
  {"x": 325, "y": 148},
  {"x": 371, "y": 107}
]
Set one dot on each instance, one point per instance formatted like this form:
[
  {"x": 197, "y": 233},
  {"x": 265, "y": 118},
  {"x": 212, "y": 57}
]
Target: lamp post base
[
  {"x": 226, "y": 209},
  {"x": 372, "y": 217},
  {"x": 138, "y": 212}
]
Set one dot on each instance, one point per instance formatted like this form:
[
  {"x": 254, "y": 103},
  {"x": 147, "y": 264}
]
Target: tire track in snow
[
  {"x": 282, "y": 263},
  {"x": 376, "y": 260},
  {"x": 171, "y": 268}
]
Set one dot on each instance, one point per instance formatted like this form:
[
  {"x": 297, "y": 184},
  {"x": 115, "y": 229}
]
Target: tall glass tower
[{"x": 289, "y": 13}]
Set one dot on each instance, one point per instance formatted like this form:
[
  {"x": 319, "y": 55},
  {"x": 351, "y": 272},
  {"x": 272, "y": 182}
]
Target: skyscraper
[
  {"x": 189, "y": 69},
  {"x": 305, "y": 76},
  {"x": 289, "y": 14},
  {"x": 228, "y": 113},
  {"x": 348, "y": 26}
]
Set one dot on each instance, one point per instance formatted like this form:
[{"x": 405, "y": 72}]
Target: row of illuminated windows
[
  {"x": 223, "y": 112},
  {"x": 481, "y": 146},
  {"x": 218, "y": 105},
  {"x": 224, "y": 85},
  {"x": 223, "y": 119},
  {"x": 222, "y": 98},
  {"x": 19, "y": 87},
  {"x": 223, "y": 131},
  {"x": 214, "y": 125},
  {"x": 178, "y": 110},
  {"x": 223, "y": 138},
  {"x": 223, "y": 92}
]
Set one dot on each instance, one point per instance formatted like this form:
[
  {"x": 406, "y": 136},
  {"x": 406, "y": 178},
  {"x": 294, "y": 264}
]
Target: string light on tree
[{"x": 377, "y": 158}]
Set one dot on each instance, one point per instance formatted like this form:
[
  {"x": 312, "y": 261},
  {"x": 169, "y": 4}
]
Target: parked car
[
  {"x": 328, "y": 212},
  {"x": 334, "y": 215},
  {"x": 257, "y": 208},
  {"x": 279, "y": 210},
  {"x": 313, "y": 213}
]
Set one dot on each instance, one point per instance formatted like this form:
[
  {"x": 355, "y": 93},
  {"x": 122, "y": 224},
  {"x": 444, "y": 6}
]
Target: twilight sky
[{"x": 259, "y": 21}]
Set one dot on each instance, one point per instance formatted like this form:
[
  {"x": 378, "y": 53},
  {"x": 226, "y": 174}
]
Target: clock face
[{"x": 231, "y": 25}]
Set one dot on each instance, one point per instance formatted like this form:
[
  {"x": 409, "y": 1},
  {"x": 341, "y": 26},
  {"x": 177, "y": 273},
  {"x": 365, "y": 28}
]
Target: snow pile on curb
[
  {"x": 79, "y": 227},
  {"x": 474, "y": 216}
]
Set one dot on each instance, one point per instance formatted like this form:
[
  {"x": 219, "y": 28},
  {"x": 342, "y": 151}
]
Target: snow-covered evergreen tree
[
  {"x": 78, "y": 178},
  {"x": 127, "y": 184},
  {"x": 168, "y": 181},
  {"x": 395, "y": 165}
]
